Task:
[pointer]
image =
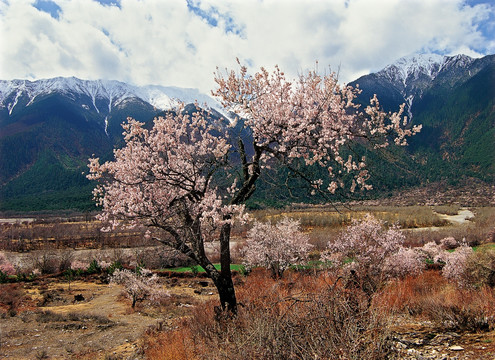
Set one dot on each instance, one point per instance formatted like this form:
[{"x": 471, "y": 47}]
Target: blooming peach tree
[
  {"x": 139, "y": 285},
  {"x": 277, "y": 246},
  {"x": 367, "y": 253},
  {"x": 312, "y": 118},
  {"x": 164, "y": 177},
  {"x": 364, "y": 246}
]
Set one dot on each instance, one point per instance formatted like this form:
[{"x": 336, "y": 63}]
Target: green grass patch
[
  {"x": 490, "y": 246},
  {"x": 199, "y": 269}
]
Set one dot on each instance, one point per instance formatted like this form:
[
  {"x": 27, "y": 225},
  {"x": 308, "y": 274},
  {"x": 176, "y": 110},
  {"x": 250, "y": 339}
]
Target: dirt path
[
  {"x": 104, "y": 301},
  {"x": 95, "y": 328},
  {"x": 50, "y": 324},
  {"x": 462, "y": 216}
]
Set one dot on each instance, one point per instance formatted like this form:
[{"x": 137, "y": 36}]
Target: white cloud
[{"x": 165, "y": 42}]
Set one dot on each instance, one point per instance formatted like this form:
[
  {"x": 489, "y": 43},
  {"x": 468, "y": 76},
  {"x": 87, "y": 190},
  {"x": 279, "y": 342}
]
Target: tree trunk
[
  {"x": 225, "y": 284},
  {"x": 226, "y": 291},
  {"x": 223, "y": 278}
]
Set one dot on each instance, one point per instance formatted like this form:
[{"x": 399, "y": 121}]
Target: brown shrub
[
  {"x": 171, "y": 345},
  {"x": 11, "y": 296},
  {"x": 298, "y": 317},
  {"x": 458, "y": 309},
  {"x": 405, "y": 294},
  {"x": 432, "y": 297},
  {"x": 46, "y": 261},
  {"x": 480, "y": 268}
]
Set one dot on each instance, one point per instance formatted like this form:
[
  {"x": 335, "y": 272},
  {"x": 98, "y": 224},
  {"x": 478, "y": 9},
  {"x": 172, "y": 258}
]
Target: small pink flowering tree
[
  {"x": 139, "y": 285},
  {"x": 276, "y": 247},
  {"x": 367, "y": 242},
  {"x": 164, "y": 177},
  {"x": 455, "y": 265},
  {"x": 369, "y": 253},
  {"x": 404, "y": 262},
  {"x": 449, "y": 243}
]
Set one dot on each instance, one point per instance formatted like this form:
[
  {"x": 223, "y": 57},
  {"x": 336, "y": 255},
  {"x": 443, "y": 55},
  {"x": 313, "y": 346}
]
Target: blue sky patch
[
  {"x": 487, "y": 27},
  {"x": 212, "y": 16},
  {"x": 110, "y": 3},
  {"x": 48, "y": 6}
]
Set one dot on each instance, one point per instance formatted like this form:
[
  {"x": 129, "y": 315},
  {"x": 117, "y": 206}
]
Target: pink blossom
[
  {"x": 276, "y": 247},
  {"x": 370, "y": 249},
  {"x": 104, "y": 264},
  {"x": 140, "y": 285},
  {"x": 79, "y": 265},
  {"x": 366, "y": 242},
  {"x": 455, "y": 264},
  {"x": 403, "y": 263},
  {"x": 432, "y": 252},
  {"x": 449, "y": 243},
  {"x": 310, "y": 118}
]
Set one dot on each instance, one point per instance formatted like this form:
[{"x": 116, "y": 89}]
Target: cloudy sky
[{"x": 181, "y": 42}]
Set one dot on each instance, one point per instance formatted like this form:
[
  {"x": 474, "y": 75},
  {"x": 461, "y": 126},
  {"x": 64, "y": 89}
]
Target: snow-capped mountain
[
  {"x": 410, "y": 69},
  {"x": 49, "y": 128},
  {"x": 407, "y": 79},
  {"x": 98, "y": 95},
  {"x": 453, "y": 98}
]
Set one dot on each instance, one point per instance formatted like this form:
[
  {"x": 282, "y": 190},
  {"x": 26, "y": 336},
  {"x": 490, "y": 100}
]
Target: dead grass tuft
[
  {"x": 299, "y": 317},
  {"x": 432, "y": 297}
]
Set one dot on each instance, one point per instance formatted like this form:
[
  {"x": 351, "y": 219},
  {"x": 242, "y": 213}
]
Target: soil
[{"x": 51, "y": 324}]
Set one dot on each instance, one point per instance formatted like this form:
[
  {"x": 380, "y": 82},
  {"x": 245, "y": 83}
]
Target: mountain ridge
[
  {"x": 113, "y": 92},
  {"x": 407, "y": 79},
  {"x": 49, "y": 128},
  {"x": 454, "y": 100}
]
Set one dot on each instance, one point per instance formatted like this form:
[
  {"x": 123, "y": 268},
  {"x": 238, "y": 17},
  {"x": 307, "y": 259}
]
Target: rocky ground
[{"x": 422, "y": 341}]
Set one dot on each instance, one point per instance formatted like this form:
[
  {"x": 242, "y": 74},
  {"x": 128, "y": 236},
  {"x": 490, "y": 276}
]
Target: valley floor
[{"x": 423, "y": 317}]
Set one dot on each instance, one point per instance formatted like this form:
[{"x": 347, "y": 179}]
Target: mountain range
[
  {"x": 49, "y": 128},
  {"x": 453, "y": 97}
]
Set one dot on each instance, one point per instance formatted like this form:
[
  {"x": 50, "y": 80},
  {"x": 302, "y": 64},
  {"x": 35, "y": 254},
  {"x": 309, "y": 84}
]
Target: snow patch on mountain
[
  {"x": 412, "y": 75},
  {"x": 411, "y": 67},
  {"x": 409, "y": 102},
  {"x": 112, "y": 92},
  {"x": 106, "y": 125},
  {"x": 408, "y": 69}
]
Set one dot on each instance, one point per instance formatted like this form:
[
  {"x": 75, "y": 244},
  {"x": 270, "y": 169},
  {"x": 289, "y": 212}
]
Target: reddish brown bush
[
  {"x": 11, "y": 296},
  {"x": 432, "y": 297},
  {"x": 461, "y": 309},
  {"x": 404, "y": 294},
  {"x": 171, "y": 345},
  {"x": 300, "y": 317}
]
